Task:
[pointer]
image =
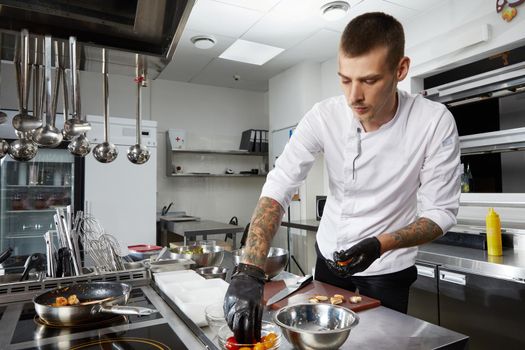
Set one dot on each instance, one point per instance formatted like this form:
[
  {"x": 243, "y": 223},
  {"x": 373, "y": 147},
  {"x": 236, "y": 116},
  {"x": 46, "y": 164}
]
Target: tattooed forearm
[
  {"x": 266, "y": 220},
  {"x": 421, "y": 231}
]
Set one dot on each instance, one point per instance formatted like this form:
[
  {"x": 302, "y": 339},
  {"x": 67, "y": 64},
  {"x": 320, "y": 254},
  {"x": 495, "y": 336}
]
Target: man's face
[{"x": 369, "y": 84}]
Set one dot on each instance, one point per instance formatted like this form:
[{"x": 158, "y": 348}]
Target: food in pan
[
  {"x": 63, "y": 301},
  {"x": 72, "y": 299},
  {"x": 60, "y": 301}
]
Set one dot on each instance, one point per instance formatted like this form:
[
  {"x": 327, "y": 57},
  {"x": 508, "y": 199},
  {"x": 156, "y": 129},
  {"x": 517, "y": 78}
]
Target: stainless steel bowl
[
  {"x": 210, "y": 256},
  {"x": 316, "y": 326},
  {"x": 276, "y": 261},
  {"x": 212, "y": 272}
]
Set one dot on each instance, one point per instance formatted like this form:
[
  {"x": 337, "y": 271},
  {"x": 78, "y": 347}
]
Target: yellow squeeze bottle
[{"x": 493, "y": 233}]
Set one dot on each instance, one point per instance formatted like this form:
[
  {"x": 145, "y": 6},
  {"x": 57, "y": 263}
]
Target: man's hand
[
  {"x": 243, "y": 304},
  {"x": 355, "y": 259}
]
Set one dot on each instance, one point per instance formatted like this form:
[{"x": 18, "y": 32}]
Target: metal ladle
[
  {"x": 79, "y": 146},
  {"x": 75, "y": 126},
  {"x": 3, "y": 116},
  {"x": 48, "y": 135},
  {"x": 22, "y": 149},
  {"x": 138, "y": 153},
  {"x": 105, "y": 152},
  {"x": 23, "y": 121}
]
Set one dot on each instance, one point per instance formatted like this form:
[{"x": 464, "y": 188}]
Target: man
[{"x": 394, "y": 175}]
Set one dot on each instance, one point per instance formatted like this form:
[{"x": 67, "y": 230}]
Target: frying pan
[{"x": 101, "y": 300}]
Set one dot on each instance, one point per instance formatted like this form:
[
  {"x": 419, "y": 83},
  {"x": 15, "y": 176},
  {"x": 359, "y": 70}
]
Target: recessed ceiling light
[
  {"x": 334, "y": 10},
  {"x": 203, "y": 41},
  {"x": 250, "y": 52}
]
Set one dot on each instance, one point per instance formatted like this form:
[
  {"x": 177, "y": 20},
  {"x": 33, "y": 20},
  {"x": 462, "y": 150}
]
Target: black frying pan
[{"x": 98, "y": 301}]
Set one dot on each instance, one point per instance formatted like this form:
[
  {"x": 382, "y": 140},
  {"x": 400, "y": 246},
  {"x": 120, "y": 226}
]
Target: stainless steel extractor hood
[{"x": 149, "y": 27}]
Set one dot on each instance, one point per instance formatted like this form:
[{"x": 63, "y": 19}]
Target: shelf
[
  {"x": 230, "y": 152},
  {"x": 32, "y": 211},
  {"x": 217, "y": 175},
  {"x": 38, "y": 186}
]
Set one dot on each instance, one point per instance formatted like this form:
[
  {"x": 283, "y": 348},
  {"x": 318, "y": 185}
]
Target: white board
[{"x": 279, "y": 140}]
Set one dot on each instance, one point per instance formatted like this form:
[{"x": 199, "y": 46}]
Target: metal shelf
[
  {"x": 32, "y": 211},
  {"x": 38, "y": 186},
  {"x": 230, "y": 152},
  {"x": 217, "y": 175}
]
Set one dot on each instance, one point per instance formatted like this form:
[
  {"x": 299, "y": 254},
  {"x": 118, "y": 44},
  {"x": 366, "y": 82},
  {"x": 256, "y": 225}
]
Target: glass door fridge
[{"x": 30, "y": 192}]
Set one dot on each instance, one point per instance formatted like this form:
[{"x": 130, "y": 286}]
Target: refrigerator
[
  {"x": 121, "y": 195},
  {"x": 31, "y": 191}
]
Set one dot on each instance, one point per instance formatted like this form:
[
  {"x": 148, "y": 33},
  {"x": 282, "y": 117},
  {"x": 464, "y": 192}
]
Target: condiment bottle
[{"x": 493, "y": 233}]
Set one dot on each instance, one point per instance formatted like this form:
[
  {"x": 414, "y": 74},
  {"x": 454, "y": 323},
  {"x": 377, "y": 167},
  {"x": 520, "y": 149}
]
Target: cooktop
[{"x": 120, "y": 332}]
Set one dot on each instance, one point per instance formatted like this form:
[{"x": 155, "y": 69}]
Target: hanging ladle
[
  {"x": 22, "y": 149},
  {"x": 79, "y": 145},
  {"x": 48, "y": 135},
  {"x": 4, "y": 146},
  {"x": 75, "y": 126},
  {"x": 138, "y": 153},
  {"x": 105, "y": 152},
  {"x": 3, "y": 116},
  {"x": 23, "y": 121}
]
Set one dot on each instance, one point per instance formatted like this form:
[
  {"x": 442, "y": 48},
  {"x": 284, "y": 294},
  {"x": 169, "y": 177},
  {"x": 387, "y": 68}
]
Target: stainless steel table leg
[{"x": 234, "y": 237}]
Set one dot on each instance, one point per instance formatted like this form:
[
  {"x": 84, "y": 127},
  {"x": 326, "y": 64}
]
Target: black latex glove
[
  {"x": 356, "y": 259},
  {"x": 243, "y": 305}
]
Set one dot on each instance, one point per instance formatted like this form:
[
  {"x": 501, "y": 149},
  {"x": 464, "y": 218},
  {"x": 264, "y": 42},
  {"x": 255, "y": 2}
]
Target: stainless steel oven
[{"x": 487, "y": 100}]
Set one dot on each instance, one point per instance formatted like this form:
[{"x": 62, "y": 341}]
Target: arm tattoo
[
  {"x": 266, "y": 220},
  {"x": 421, "y": 231}
]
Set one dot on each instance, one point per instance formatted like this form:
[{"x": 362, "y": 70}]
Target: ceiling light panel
[{"x": 250, "y": 52}]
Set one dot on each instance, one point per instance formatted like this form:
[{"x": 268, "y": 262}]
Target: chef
[{"x": 392, "y": 160}]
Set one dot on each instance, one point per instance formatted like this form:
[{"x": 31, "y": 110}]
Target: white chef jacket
[{"x": 376, "y": 178}]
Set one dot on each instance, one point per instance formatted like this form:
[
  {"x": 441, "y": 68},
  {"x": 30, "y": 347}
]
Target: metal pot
[{"x": 98, "y": 301}]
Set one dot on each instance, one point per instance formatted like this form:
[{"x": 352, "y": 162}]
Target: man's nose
[{"x": 356, "y": 93}]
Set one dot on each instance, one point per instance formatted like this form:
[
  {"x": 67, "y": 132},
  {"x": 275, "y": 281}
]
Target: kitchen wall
[
  {"x": 291, "y": 94},
  {"x": 213, "y": 118}
]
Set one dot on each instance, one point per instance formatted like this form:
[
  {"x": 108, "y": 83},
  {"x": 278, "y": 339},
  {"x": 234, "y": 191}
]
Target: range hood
[{"x": 125, "y": 27}]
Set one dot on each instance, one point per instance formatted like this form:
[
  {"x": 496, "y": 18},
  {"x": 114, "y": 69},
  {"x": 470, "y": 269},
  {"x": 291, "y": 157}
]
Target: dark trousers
[{"x": 391, "y": 289}]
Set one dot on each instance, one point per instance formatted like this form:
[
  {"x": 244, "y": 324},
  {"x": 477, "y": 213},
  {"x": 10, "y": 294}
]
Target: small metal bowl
[
  {"x": 210, "y": 255},
  {"x": 212, "y": 272},
  {"x": 316, "y": 326},
  {"x": 276, "y": 261}
]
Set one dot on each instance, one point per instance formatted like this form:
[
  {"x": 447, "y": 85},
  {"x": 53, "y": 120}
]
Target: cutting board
[{"x": 312, "y": 289}]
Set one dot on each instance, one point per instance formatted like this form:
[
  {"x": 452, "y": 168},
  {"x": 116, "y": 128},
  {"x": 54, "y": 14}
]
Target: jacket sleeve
[
  {"x": 296, "y": 160},
  {"x": 440, "y": 189}
]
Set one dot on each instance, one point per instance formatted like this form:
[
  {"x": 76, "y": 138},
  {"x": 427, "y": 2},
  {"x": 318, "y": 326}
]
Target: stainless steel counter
[{"x": 510, "y": 266}]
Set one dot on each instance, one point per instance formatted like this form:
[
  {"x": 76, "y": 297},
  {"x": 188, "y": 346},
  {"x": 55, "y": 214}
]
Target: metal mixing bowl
[
  {"x": 316, "y": 326},
  {"x": 210, "y": 256},
  {"x": 276, "y": 261},
  {"x": 212, "y": 272}
]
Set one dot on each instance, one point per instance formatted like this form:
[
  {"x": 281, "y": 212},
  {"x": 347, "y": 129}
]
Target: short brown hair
[{"x": 371, "y": 30}]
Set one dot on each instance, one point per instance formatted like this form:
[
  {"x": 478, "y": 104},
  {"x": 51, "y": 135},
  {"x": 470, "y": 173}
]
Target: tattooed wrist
[
  {"x": 265, "y": 222},
  {"x": 421, "y": 231}
]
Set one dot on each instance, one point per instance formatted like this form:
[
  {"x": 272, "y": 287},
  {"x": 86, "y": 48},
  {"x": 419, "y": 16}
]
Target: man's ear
[{"x": 402, "y": 68}]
